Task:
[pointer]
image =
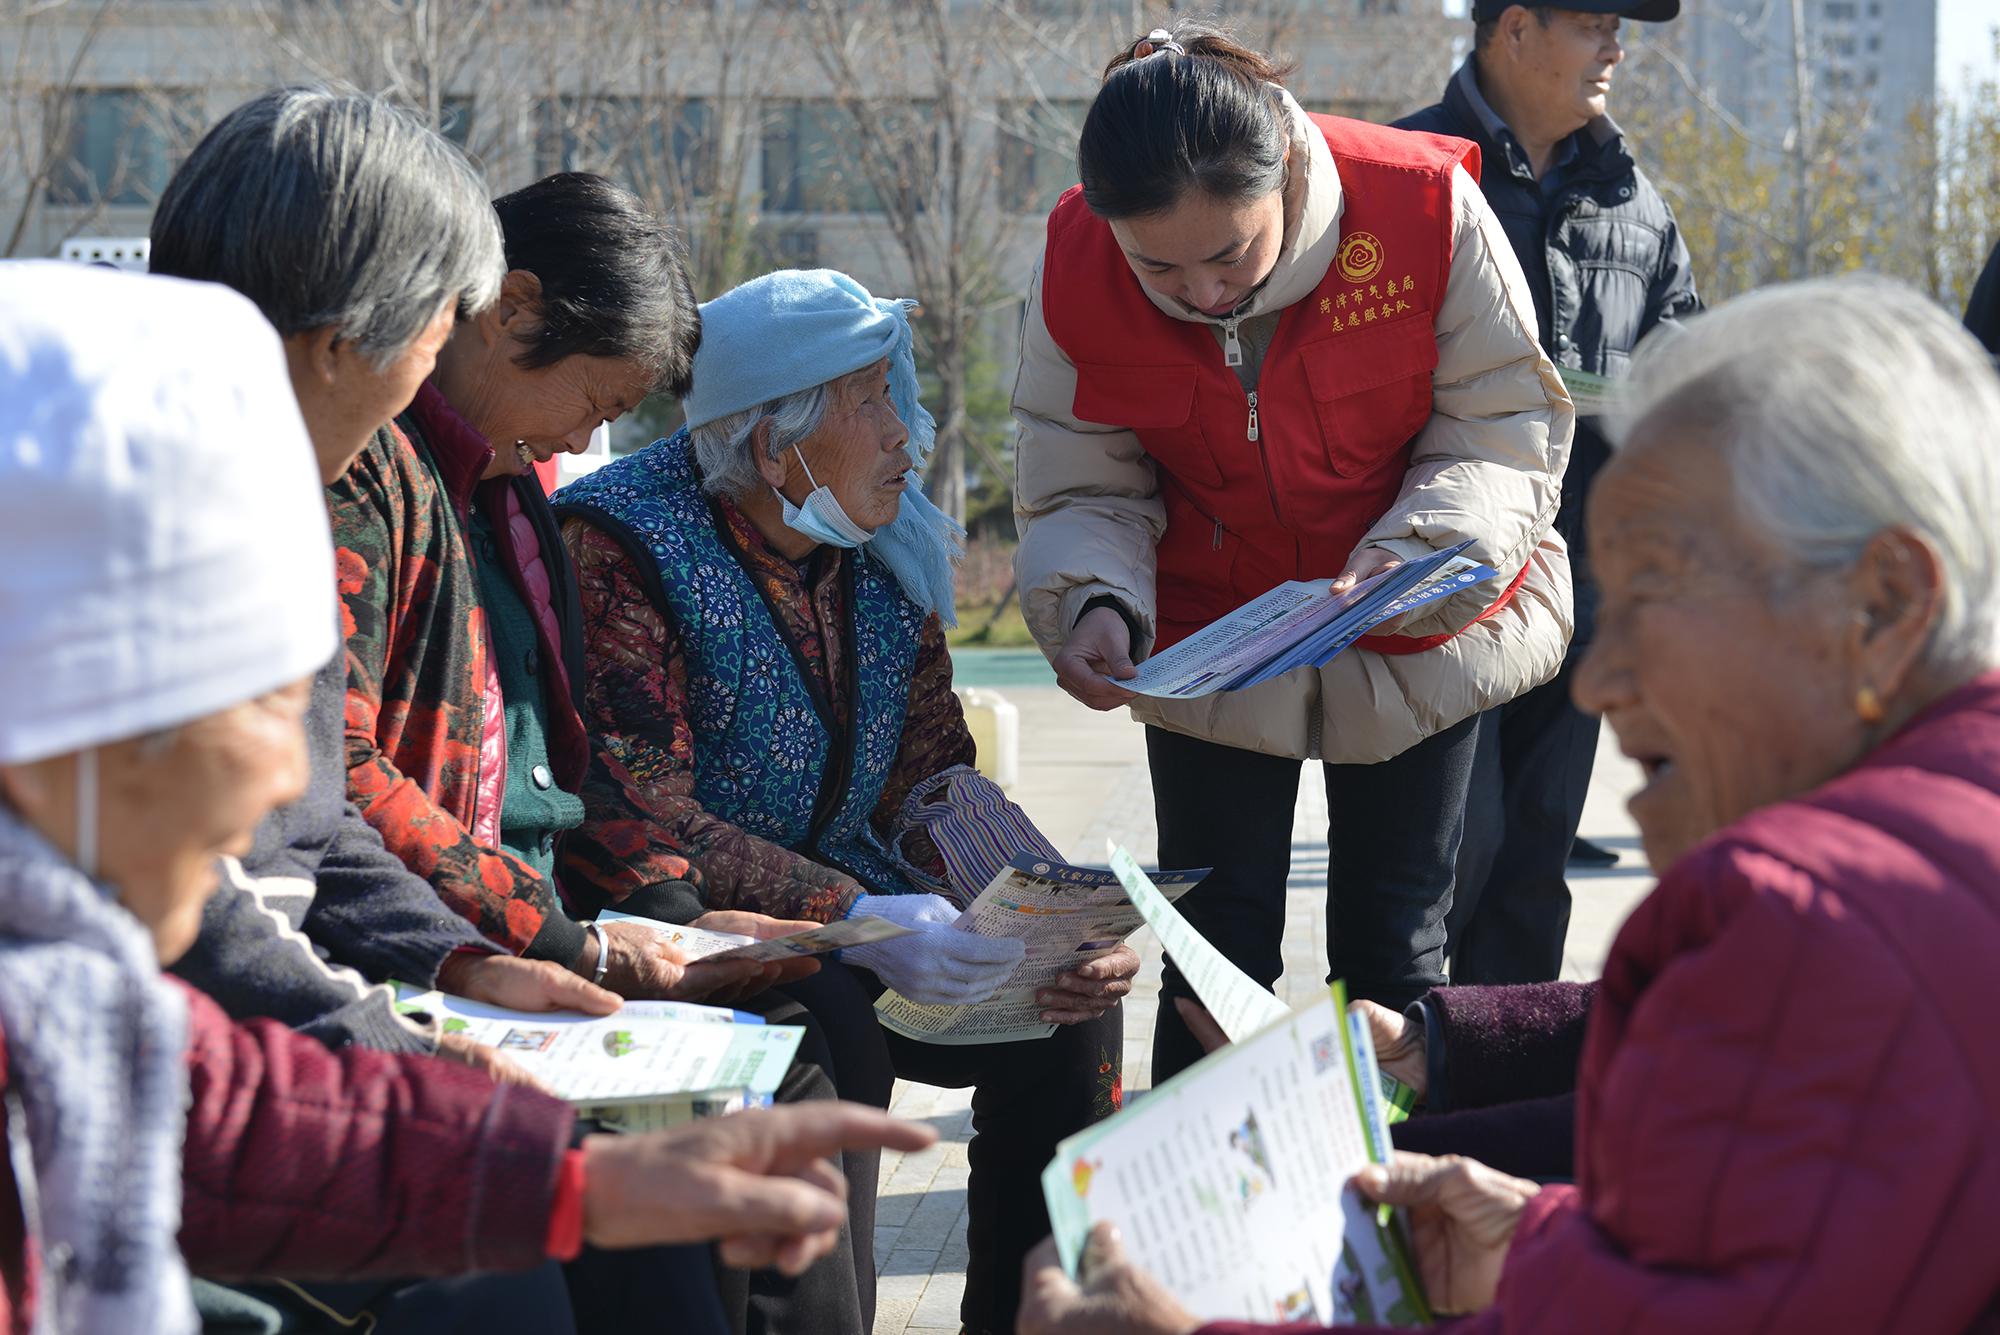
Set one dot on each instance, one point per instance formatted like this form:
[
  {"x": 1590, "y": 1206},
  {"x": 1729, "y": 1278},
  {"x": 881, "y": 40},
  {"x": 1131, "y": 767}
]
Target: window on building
[
  {"x": 815, "y": 160},
  {"x": 653, "y": 146},
  {"x": 119, "y": 145},
  {"x": 1840, "y": 11},
  {"x": 1038, "y": 153}
]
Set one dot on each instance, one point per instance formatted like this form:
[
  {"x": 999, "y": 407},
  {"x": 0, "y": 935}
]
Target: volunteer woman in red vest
[{"x": 1262, "y": 346}]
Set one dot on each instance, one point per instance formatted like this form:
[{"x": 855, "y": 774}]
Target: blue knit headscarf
[{"x": 797, "y": 328}]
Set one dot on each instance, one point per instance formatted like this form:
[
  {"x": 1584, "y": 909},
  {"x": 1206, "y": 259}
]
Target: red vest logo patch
[{"x": 1360, "y": 257}]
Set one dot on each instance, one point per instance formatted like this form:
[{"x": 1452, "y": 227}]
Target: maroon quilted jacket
[
  {"x": 1787, "y": 1107},
  {"x": 311, "y": 1164}
]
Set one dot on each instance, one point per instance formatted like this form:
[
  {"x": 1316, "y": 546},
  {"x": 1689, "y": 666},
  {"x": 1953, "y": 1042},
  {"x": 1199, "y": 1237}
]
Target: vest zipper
[
  {"x": 1232, "y": 346},
  {"x": 1254, "y": 431}
]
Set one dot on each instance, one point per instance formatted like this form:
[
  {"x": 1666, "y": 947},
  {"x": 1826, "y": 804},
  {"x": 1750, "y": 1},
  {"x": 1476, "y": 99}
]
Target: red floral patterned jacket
[{"x": 418, "y": 676}]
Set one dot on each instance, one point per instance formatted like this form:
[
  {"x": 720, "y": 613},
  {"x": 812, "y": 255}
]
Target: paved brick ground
[{"x": 1083, "y": 780}]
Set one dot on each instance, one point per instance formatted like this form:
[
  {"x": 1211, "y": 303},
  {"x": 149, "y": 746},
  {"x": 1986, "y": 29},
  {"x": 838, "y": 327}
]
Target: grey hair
[
  {"x": 332, "y": 209},
  {"x": 722, "y": 447},
  {"x": 1845, "y": 407}
]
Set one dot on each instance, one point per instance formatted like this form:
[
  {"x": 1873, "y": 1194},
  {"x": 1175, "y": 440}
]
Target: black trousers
[
  {"x": 1392, "y": 838},
  {"x": 1027, "y": 1097},
  {"x": 836, "y": 1294},
  {"x": 1529, "y": 781}
]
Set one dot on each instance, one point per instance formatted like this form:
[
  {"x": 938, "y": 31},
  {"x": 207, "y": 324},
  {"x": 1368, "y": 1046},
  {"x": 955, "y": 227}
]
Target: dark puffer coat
[{"x": 1603, "y": 255}]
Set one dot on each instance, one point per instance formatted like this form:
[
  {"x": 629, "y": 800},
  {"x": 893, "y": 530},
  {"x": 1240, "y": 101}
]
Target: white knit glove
[{"x": 936, "y": 965}]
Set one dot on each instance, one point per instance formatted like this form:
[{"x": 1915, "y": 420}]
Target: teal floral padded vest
[{"x": 770, "y": 756}]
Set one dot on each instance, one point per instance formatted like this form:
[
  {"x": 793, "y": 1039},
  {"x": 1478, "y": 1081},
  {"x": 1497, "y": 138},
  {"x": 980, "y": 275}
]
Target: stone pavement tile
[
  {"x": 938, "y": 1308},
  {"x": 886, "y": 1237},
  {"x": 894, "y": 1206},
  {"x": 892, "y": 1315},
  {"x": 900, "y": 1288},
  {"x": 942, "y": 1206}
]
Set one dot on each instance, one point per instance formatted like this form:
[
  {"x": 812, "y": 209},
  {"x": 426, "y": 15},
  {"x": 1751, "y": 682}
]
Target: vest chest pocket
[
  {"x": 1371, "y": 391},
  {"x": 1157, "y": 404}
]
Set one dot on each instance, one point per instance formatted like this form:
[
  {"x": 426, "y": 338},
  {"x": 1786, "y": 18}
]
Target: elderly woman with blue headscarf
[{"x": 764, "y": 598}]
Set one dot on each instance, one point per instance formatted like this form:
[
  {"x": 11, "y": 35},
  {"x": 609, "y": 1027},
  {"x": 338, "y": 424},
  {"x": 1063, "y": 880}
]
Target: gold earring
[{"x": 1868, "y": 705}]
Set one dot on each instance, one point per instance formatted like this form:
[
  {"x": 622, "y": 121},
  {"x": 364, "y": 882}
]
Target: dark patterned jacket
[
  {"x": 643, "y": 825},
  {"x": 419, "y": 675}
]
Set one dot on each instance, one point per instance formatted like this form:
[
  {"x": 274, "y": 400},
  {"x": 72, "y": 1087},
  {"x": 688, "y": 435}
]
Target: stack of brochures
[
  {"x": 1230, "y": 1182},
  {"x": 648, "y": 1065},
  {"x": 1300, "y": 624}
]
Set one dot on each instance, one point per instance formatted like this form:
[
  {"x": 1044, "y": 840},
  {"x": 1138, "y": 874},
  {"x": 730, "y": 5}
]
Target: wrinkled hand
[
  {"x": 647, "y": 966},
  {"x": 1201, "y": 1024},
  {"x": 760, "y": 1181},
  {"x": 764, "y": 928},
  {"x": 1462, "y": 1218},
  {"x": 500, "y": 1067},
  {"x": 1400, "y": 1045},
  {"x": 760, "y": 925},
  {"x": 1368, "y": 562},
  {"x": 1100, "y": 646},
  {"x": 1087, "y": 992},
  {"x": 938, "y": 965},
  {"x": 643, "y": 963},
  {"x": 1115, "y": 1298},
  {"x": 522, "y": 985}
]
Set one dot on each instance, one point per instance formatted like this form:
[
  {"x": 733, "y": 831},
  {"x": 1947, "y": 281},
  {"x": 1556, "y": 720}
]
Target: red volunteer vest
[{"x": 1281, "y": 488}]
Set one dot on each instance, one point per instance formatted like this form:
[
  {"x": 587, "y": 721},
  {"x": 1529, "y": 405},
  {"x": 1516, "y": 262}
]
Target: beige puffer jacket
[{"x": 1488, "y": 467}]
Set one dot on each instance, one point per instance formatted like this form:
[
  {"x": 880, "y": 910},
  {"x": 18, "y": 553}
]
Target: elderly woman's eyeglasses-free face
[
  {"x": 1730, "y": 684},
  {"x": 858, "y": 452}
]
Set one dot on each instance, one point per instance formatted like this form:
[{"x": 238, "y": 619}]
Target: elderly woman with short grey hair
[
  {"x": 357, "y": 231},
  {"x": 1788, "y": 1088},
  {"x": 359, "y": 234}
]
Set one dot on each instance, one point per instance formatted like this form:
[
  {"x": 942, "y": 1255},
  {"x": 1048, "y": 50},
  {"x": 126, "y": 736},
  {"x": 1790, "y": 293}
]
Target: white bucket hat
[{"x": 164, "y": 551}]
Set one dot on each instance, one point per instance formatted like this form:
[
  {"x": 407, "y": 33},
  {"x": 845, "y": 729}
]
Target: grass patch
[{"x": 979, "y": 629}]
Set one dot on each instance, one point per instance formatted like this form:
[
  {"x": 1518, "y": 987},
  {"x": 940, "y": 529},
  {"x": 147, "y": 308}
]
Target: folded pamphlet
[
  {"x": 652, "y": 1063},
  {"x": 1230, "y": 1182},
  {"x": 1068, "y": 916},
  {"x": 1236, "y": 1003},
  {"x": 697, "y": 943},
  {"x": 1300, "y": 624}
]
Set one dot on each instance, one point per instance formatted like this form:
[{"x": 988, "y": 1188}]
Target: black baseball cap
[{"x": 1645, "y": 11}]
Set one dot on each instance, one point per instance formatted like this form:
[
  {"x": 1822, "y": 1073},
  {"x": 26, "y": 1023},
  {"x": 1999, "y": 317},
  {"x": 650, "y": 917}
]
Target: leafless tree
[{"x": 69, "y": 149}]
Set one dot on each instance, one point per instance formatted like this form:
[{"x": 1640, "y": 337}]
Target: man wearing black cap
[{"x": 1605, "y": 261}]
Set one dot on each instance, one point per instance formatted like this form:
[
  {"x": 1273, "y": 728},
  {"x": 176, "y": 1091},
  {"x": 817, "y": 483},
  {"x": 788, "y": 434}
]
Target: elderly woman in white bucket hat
[{"x": 166, "y": 594}]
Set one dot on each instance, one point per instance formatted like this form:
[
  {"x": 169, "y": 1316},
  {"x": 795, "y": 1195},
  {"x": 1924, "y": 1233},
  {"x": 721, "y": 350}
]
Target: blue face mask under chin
[{"x": 821, "y": 518}]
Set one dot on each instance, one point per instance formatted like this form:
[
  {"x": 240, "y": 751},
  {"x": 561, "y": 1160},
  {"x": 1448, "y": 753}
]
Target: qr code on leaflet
[{"x": 1326, "y": 1053}]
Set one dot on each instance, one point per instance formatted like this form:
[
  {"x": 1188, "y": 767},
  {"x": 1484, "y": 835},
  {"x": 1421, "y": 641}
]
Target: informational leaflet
[
  {"x": 1228, "y": 994},
  {"x": 1230, "y": 1183},
  {"x": 648, "y": 1052},
  {"x": 1237, "y": 1003},
  {"x": 698, "y": 943},
  {"x": 1068, "y": 916},
  {"x": 1300, "y": 624}
]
